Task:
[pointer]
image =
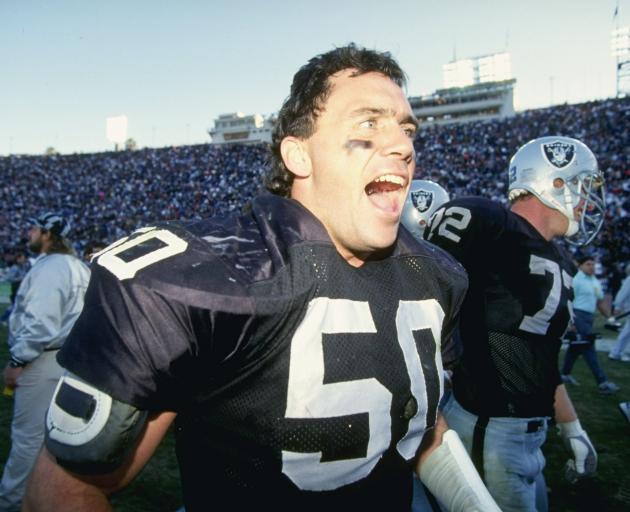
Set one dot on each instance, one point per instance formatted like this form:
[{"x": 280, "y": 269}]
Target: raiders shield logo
[
  {"x": 422, "y": 200},
  {"x": 559, "y": 154}
]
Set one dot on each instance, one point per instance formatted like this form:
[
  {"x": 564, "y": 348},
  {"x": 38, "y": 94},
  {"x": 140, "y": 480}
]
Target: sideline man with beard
[{"x": 47, "y": 304}]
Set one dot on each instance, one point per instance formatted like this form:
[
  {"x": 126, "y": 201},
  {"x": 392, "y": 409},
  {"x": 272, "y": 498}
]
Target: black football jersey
[
  {"x": 300, "y": 382},
  {"x": 515, "y": 312}
]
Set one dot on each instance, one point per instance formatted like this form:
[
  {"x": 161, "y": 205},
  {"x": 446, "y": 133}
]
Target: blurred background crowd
[{"x": 107, "y": 195}]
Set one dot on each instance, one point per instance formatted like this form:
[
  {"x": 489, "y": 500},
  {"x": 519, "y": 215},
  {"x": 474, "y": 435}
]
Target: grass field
[{"x": 157, "y": 488}]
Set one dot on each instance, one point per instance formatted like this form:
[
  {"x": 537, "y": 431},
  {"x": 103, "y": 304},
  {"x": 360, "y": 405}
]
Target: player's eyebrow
[
  {"x": 412, "y": 120},
  {"x": 408, "y": 119}
]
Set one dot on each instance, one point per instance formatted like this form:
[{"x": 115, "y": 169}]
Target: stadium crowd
[{"x": 108, "y": 194}]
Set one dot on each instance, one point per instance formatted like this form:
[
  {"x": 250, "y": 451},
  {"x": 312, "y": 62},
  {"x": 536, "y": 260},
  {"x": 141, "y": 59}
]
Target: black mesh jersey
[
  {"x": 300, "y": 382},
  {"x": 515, "y": 311}
]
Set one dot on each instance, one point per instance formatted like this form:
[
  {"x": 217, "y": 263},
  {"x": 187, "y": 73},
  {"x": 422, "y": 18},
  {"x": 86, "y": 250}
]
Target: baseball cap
[{"x": 52, "y": 222}]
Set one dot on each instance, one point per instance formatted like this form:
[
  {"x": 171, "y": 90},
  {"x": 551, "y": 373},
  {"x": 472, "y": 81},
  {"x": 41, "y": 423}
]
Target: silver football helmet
[
  {"x": 562, "y": 173},
  {"x": 424, "y": 198}
]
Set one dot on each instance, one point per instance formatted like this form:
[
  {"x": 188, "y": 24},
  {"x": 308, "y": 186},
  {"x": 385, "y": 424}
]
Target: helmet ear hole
[{"x": 558, "y": 183}]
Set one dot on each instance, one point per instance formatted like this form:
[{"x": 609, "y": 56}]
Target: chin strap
[
  {"x": 569, "y": 213},
  {"x": 452, "y": 478}
]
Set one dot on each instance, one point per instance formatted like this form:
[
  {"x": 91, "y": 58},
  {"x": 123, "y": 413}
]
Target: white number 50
[{"x": 309, "y": 397}]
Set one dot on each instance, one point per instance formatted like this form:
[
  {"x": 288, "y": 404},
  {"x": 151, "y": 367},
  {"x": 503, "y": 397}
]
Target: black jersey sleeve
[
  {"x": 452, "y": 348},
  {"x": 129, "y": 342},
  {"x": 150, "y": 316}
]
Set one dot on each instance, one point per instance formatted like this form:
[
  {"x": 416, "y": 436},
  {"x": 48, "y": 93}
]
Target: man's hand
[
  {"x": 584, "y": 462},
  {"x": 11, "y": 375}
]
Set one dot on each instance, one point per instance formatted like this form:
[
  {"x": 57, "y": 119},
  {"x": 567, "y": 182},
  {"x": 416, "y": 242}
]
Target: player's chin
[
  {"x": 382, "y": 235},
  {"x": 379, "y": 224}
]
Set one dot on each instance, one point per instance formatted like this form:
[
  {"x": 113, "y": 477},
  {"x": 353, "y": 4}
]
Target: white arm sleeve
[{"x": 452, "y": 478}]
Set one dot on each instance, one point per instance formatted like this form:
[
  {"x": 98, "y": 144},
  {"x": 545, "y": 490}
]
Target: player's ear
[{"x": 295, "y": 156}]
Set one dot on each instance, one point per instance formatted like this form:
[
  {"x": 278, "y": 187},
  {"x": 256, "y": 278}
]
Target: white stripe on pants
[{"x": 32, "y": 396}]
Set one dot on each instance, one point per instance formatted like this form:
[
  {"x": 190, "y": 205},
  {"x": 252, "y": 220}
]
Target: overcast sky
[{"x": 172, "y": 67}]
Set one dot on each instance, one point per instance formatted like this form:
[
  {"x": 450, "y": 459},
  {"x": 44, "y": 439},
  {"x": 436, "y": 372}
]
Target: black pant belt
[{"x": 535, "y": 425}]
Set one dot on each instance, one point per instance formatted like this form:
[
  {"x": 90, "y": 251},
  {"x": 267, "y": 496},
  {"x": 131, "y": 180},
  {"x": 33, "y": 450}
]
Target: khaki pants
[{"x": 36, "y": 385}]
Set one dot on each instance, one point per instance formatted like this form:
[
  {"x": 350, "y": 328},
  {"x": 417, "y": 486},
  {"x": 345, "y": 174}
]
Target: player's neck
[{"x": 538, "y": 215}]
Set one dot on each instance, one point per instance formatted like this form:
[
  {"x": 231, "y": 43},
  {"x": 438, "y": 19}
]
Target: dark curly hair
[{"x": 309, "y": 91}]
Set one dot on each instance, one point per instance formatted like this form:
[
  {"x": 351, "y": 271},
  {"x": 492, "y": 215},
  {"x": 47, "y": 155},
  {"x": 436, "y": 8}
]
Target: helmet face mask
[
  {"x": 563, "y": 174},
  {"x": 424, "y": 198},
  {"x": 592, "y": 208}
]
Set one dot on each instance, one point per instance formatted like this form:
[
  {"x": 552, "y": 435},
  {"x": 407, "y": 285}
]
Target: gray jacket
[{"x": 47, "y": 304}]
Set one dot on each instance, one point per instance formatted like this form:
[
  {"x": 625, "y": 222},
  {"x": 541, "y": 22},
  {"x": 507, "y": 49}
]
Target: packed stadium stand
[{"x": 108, "y": 194}]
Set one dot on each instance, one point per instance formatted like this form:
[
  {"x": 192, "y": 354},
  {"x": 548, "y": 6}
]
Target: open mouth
[{"x": 387, "y": 192}]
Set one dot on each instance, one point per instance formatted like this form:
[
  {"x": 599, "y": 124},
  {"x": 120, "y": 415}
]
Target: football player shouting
[{"x": 300, "y": 346}]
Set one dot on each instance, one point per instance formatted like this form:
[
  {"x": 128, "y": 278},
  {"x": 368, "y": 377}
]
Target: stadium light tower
[
  {"x": 620, "y": 46},
  {"x": 116, "y": 130},
  {"x": 477, "y": 70}
]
